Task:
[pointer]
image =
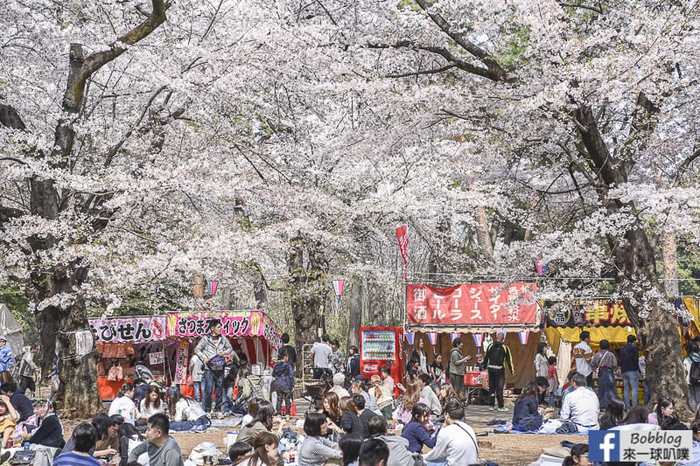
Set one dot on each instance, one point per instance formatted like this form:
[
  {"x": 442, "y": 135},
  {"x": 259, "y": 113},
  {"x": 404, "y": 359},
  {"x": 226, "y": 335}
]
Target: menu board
[{"x": 378, "y": 345}]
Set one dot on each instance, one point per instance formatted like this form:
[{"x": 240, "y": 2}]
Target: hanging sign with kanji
[
  {"x": 588, "y": 313},
  {"x": 472, "y": 304},
  {"x": 129, "y": 329}
]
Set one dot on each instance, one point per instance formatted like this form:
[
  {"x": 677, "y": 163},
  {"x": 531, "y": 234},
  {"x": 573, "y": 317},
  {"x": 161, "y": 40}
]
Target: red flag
[{"x": 402, "y": 238}]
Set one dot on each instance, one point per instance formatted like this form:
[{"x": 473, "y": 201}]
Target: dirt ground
[{"x": 504, "y": 449}]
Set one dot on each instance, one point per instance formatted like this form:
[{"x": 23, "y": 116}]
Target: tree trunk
[
  {"x": 355, "y": 317},
  {"x": 307, "y": 267},
  {"x": 670, "y": 261}
]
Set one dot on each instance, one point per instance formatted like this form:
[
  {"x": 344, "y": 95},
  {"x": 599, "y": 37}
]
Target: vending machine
[{"x": 381, "y": 347}]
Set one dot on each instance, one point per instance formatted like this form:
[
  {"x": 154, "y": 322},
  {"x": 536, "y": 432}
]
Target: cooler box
[{"x": 475, "y": 379}]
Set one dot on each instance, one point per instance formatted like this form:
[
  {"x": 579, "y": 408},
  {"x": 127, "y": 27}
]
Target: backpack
[{"x": 695, "y": 373}]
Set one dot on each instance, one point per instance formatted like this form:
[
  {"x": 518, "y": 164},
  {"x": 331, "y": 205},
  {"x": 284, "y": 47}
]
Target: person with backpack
[
  {"x": 692, "y": 368},
  {"x": 283, "y": 383},
  {"x": 498, "y": 359},
  {"x": 457, "y": 367}
]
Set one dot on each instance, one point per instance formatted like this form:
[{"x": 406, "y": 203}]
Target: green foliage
[
  {"x": 409, "y": 4},
  {"x": 512, "y": 53},
  {"x": 689, "y": 271}
]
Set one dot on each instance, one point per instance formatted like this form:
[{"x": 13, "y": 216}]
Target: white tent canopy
[{"x": 10, "y": 328}]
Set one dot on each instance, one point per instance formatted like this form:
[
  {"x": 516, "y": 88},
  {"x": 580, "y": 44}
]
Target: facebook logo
[{"x": 604, "y": 445}]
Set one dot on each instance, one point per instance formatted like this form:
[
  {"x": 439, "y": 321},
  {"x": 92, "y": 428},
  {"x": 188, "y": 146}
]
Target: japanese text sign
[
  {"x": 472, "y": 304},
  {"x": 181, "y": 362},
  {"x": 599, "y": 312},
  {"x": 233, "y": 324},
  {"x": 129, "y": 329}
]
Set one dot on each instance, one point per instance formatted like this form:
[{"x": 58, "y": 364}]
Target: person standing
[
  {"x": 27, "y": 371},
  {"x": 213, "y": 350},
  {"x": 162, "y": 449},
  {"x": 436, "y": 370},
  {"x": 419, "y": 358},
  {"x": 283, "y": 384},
  {"x": 691, "y": 364},
  {"x": 321, "y": 352},
  {"x": 583, "y": 353},
  {"x": 197, "y": 373},
  {"x": 457, "y": 366},
  {"x": 541, "y": 365},
  {"x": 497, "y": 359},
  {"x": 7, "y": 360},
  {"x": 605, "y": 363},
  {"x": 289, "y": 350},
  {"x": 336, "y": 359},
  {"x": 629, "y": 367},
  {"x": 353, "y": 364}
]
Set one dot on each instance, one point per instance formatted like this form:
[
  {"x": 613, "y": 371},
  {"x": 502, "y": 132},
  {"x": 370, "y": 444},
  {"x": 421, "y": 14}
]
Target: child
[{"x": 553, "y": 380}]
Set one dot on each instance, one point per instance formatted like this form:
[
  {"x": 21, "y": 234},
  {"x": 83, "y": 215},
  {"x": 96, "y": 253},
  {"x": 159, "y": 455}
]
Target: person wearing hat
[{"x": 7, "y": 360}]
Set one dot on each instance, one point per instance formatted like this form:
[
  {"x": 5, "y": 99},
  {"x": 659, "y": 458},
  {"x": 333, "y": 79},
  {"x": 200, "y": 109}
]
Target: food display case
[{"x": 380, "y": 347}]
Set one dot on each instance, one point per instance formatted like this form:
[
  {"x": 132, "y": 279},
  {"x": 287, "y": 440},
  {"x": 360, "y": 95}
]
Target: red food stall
[
  {"x": 440, "y": 314},
  {"x": 164, "y": 343},
  {"x": 380, "y": 346}
]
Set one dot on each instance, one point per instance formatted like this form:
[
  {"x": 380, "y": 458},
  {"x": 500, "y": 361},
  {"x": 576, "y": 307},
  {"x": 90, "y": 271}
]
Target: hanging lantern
[
  {"x": 522, "y": 336},
  {"x": 478, "y": 339},
  {"x": 432, "y": 336},
  {"x": 213, "y": 286},
  {"x": 339, "y": 289},
  {"x": 410, "y": 337}
]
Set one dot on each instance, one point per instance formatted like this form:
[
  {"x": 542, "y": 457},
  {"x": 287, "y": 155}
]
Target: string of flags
[{"x": 478, "y": 338}]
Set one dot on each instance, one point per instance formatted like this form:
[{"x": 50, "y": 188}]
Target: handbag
[{"x": 217, "y": 363}]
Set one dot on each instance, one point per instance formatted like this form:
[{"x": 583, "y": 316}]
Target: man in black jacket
[
  {"x": 498, "y": 358},
  {"x": 629, "y": 367}
]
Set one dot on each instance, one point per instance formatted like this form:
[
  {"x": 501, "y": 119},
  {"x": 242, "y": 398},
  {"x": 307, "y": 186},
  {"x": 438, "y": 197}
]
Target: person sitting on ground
[
  {"x": 358, "y": 388},
  {"x": 613, "y": 414},
  {"x": 106, "y": 429},
  {"x": 416, "y": 431},
  {"x": 411, "y": 396},
  {"x": 246, "y": 391},
  {"x": 21, "y": 403},
  {"x": 526, "y": 415},
  {"x": 162, "y": 449},
  {"x": 84, "y": 438},
  {"x": 446, "y": 393},
  {"x": 664, "y": 413},
  {"x": 283, "y": 383},
  {"x": 568, "y": 387},
  {"x": 331, "y": 408},
  {"x": 636, "y": 415},
  {"x": 124, "y": 405},
  {"x": 316, "y": 449},
  {"x": 374, "y": 452},
  {"x": 350, "y": 447},
  {"x": 383, "y": 396},
  {"x": 364, "y": 414},
  {"x": 456, "y": 441},
  {"x": 428, "y": 395},
  {"x": 581, "y": 406},
  {"x": 338, "y": 386},
  {"x": 265, "y": 451},
  {"x": 50, "y": 431},
  {"x": 578, "y": 456},
  {"x": 187, "y": 409},
  {"x": 152, "y": 404},
  {"x": 252, "y": 410},
  {"x": 240, "y": 452},
  {"x": 349, "y": 420},
  {"x": 399, "y": 454},
  {"x": 262, "y": 422},
  {"x": 8, "y": 419}
]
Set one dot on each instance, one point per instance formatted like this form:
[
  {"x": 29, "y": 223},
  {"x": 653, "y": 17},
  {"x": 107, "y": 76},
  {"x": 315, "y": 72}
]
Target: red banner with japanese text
[{"x": 472, "y": 304}]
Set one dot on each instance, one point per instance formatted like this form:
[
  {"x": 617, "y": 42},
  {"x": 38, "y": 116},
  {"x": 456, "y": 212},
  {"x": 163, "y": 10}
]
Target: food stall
[
  {"x": 381, "y": 347},
  {"x": 442, "y": 314},
  {"x": 164, "y": 344}
]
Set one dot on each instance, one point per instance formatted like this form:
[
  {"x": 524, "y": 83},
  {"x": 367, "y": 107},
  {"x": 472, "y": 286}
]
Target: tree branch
[
  {"x": 496, "y": 72},
  {"x": 421, "y": 73}
]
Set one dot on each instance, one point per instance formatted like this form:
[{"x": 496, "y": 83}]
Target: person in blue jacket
[
  {"x": 416, "y": 431},
  {"x": 283, "y": 382},
  {"x": 7, "y": 360}
]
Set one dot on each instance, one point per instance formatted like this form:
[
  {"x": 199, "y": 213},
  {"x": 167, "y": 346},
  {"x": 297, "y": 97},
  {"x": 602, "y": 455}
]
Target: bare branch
[{"x": 422, "y": 73}]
